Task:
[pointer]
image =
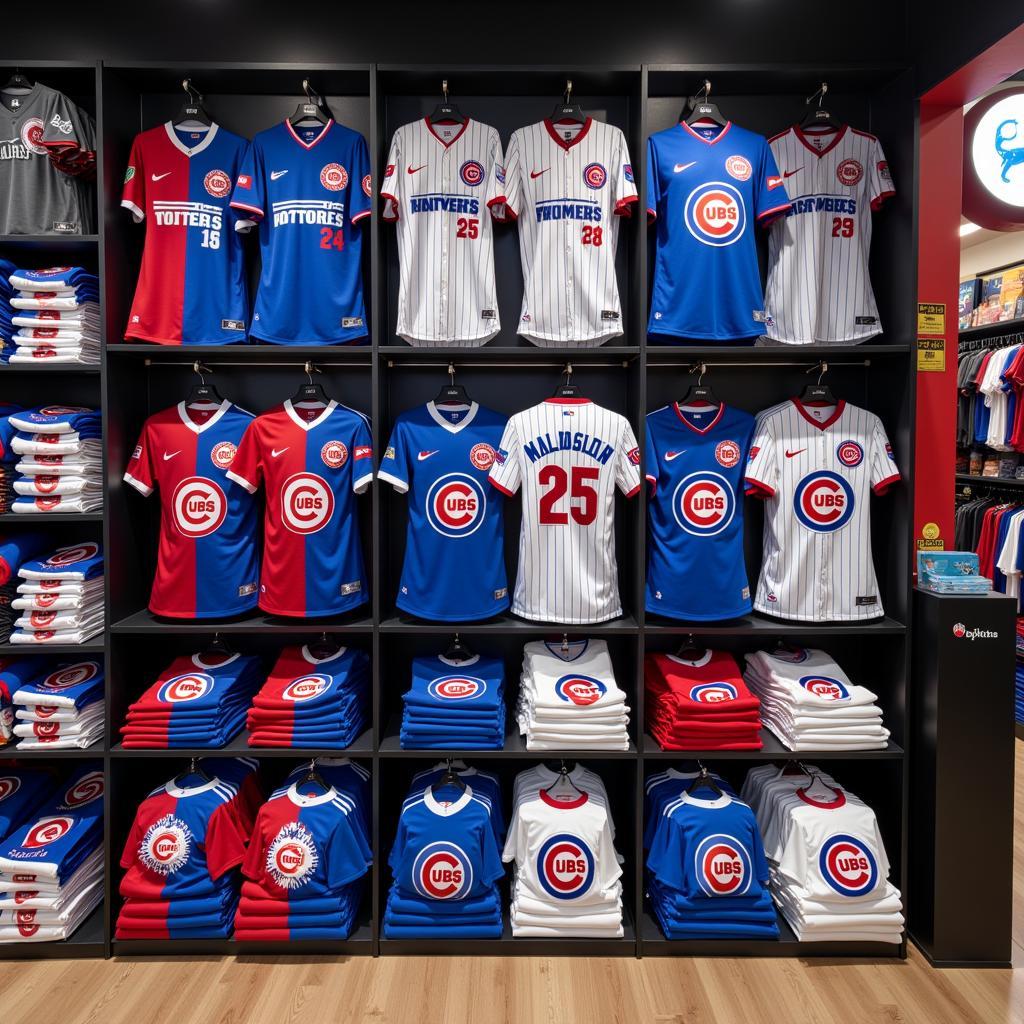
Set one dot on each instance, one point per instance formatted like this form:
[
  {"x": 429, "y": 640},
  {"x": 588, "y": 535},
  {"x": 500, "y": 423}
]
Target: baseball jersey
[
  {"x": 192, "y": 288},
  {"x": 707, "y": 185},
  {"x": 207, "y": 560},
  {"x": 307, "y": 188},
  {"x": 312, "y": 459},
  {"x": 696, "y": 456},
  {"x": 568, "y": 455},
  {"x": 22, "y": 791},
  {"x": 819, "y": 287},
  {"x": 816, "y": 467},
  {"x": 440, "y": 455},
  {"x": 566, "y": 185},
  {"x": 440, "y": 183}
]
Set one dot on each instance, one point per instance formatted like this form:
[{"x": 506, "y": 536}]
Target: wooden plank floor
[{"x": 491, "y": 990}]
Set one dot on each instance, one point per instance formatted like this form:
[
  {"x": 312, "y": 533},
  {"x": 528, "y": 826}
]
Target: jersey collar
[
  {"x": 452, "y": 428},
  {"x": 700, "y": 138},
  {"x": 309, "y": 145},
  {"x": 200, "y": 662},
  {"x": 198, "y": 428},
  {"x": 564, "y": 805},
  {"x": 837, "y": 412},
  {"x": 698, "y": 663},
  {"x": 698, "y": 430},
  {"x": 567, "y": 401},
  {"x": 195, "y": 150},
  {"x": 714, "y": 804},
  {"x": 828, "y": 805},
  {"x": 313, "y": 660},
  {"x": 178, "y": 792},
  {"x": 442, "y": 811},
  {"x": 819, "y": 153},
  {"x": 310, "y": 801},
  {"x": 556, "y": 649},
  {"x": 550, "y": 125},
  {"x": 452, "y": 663},
  {"x": 455, "y": 138},
  {"x": 296, "y": 418}
]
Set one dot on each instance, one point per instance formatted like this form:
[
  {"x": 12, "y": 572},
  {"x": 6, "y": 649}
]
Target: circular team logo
[
  {"x": 367, "y": 185},
  {"x": 166, "y": 845},
  {"x": 565, "y": 867},
  {"x": 714, "y": 214},
  {"x": 580, "y": 690},
  {"x": 182, "y": 689},
  {"x": 455, "y": 505},
  {"x": 823, "y": 501},
  {"x": 44, "y": 332},
  {"x": 713, "y": 693},
  {"x": 32, "y": 136},
  {"x": 703, "y": 503},
  {"x": 44, "y": 352},
  {"x": 217, "y": 183},
  {"x": 40, "y": 620},
  {"x": 849, "y": 172},
  {"x": 45, "y": 710},
  {"x": 198, "y": 506},
  {"x": 47, "y": 484},
  {"x": 738, "y": 167},
  {"x": 26, "y": 922},
  {"x": 223, "y": 454},
  {"x": 48, "y": 830},
  {"x": 334, "y": 177},
  {"x": 727, "y": 453},
  {"x": 472, "y": 172},
  {"x": 722, "y": 866},
  {"x": 825, "y": 687},
  {"x": 306, "y": 688},
  {"x": 9, "y": 785},
  {"x": 60, "y": 410},
  {"x": 442, "y": 871},
  {"x": 47, "y": 504},
  {"x": 850, "y": 453},
  {"x": 481, "y": 456},
  {"x": 848, "y": 866},
  {"x": 334, "y": 454},
  {"x": 456, "y": 687},
  {"x": 68, "y": 556},
  {"x": 307, "y": 503},
  {"x": 594, "y": 175},
  {"x": 959, "y": 631},
  {"x": 292, "y": 856},
  {"x": 71, "y": 675},
  {"x": 46, "y": 731}
]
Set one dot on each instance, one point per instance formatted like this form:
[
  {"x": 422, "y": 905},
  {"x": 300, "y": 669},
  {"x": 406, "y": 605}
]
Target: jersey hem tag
[
  {"x": 865, "y": 320},
  {"x": 609, "y": 314},
  {"x": 866, "y": 600},
  {"x": 351, "y": 588},
  {"x": 232, "y": 325},
  {"x": 351, "y": 321},
  {"x": 488, "y": 314}
]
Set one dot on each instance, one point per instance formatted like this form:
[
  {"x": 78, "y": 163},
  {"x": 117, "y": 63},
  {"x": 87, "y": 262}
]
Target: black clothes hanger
[
  {"x": 564, "y": 776},
  {"x": 458, "y": 651},
  {"x": 819, "y": 117},
  {"x": 818, "y": 392},
  {"x": 192, "y": 109},
  {"x": 202, "y": 392},
  {"x": 313, "y": 775},
  {"x": 690, "y": 650},
  {"x": 314, "y": 108},
  {"x": 702, "y": 109},
  {"x": 219, "y": 646},
  {"x": 452, "y": 393},
  {"x": 17, "y": 81},
  {"x": 568, "y": 389},
  {"x": 446, "y": 112},
  {"x": 700, "y": 392},
  {"x": 567, "y": 111},
  {"x": 450, "y": 778},
  {"x": 704, "y": 780},
  {"x": 311, "y": 391},
  {"x": 324, "y": 647},
  {"x": 194, "y": 768}
]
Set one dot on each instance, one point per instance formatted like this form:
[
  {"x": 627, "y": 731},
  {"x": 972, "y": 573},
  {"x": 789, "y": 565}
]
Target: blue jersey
[
  {"x": 486, "y": 788},
  {"x": 706, "y": 186},
  {"x": 663, "y": 789},
  {"x": 307, "y": 188},
  {"x": 470, "y": 687},
  {"x": 22, "y": 791},
  {"x": 454, "y": 569},
  {"x": 696, "y": 458}
]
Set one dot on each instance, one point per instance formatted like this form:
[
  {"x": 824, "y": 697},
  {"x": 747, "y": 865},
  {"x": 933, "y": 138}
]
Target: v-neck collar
[
  {"x": 455, "y": 138},
  {"x": 698, "y": 430},
  {"x": 309, "y": 656},
  {"x": 825, "y": 424},
  {"x": 556, "y": 649},
  {"x": 195, "y": 150},
  {"x": 296, "y": 418},
  {"x": 26, "y": 98},
  {"x": 452, "y": 428},
  {"x": 700, "y": 138},
  {"x": 444, "y": 810},
  {"x": 580, "y": 135},
  {"x": 200, "y": 662},
  {"x": 198, "y": 428},
  {"x": 452, "y": 663},
  {"x": 803, "y": 136},
  {"x": 308, "y": 145}
]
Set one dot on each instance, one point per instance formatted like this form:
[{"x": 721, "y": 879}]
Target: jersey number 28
[{"x": 579, "y": 484}]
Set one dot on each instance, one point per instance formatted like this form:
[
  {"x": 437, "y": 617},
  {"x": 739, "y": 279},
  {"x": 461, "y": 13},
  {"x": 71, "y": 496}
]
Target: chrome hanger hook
[
  {"x": 451, "y": 374},
  {"x": 568, "y": 92},
  {"x": 444, "y": 90},
  {"x": 309, "y": 369},
  {"x": 194, "y": 95}
]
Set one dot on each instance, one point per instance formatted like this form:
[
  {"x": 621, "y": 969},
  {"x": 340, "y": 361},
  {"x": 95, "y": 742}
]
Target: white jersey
[
  {"x": 568, "y": 455},
  {"x": 819, "y": 287},
  {"x": 565, "y": 184},
  {"x": 440, "y": 183},
  {"x": 817, "y": 466}
]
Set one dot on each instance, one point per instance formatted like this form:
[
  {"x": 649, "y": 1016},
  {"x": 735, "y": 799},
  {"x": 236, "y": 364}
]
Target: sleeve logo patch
[
  {"x": 129, "y": 174},
  {"x": 244, "y": 181}
]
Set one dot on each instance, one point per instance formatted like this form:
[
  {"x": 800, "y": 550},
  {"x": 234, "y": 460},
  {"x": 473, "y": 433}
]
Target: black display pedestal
[{"x": 962, "y": 764}]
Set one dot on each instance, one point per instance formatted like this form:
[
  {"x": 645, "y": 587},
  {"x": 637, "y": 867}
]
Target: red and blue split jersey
[
  {"x": 707, "y": 185},
  {"x": 313, "y": 460},
  {"x": 307, "y": 188},
  {"x": 207, "y": 561},
  {"x": 441, "y": 455},
  {"x": 696, "y": 458},
  {"x": 191, "y": 288}
]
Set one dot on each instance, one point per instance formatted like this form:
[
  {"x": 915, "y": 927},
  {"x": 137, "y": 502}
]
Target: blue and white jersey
[
  {"x": 307, "y": 188},
  {"x": 454, "y": 569},
  {"x": 696, "y": 459},
  {"x": 486, "y": 789},
  {"x": 707, "y": 185}
]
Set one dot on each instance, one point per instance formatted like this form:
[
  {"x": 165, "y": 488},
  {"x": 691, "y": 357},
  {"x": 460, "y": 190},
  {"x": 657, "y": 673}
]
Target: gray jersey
[{"x": 41, "y": 130}]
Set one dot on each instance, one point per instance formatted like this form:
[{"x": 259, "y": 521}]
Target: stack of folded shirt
[
  {"x": 56, "y": 311},
  {"x": 22, "y": 793},
  {"x": 568, "y": 698},
  {"x": 14, "y": 674},
  {"x": 51, "y": 868},
  {"x": 7, "y": 328},
  {"x": 700, "y": 702},
  {"x": 72, "y": 571},
  {"x": 72, "y": 484},
  {"x": 15, "y": 551},
  {"x": 199, "y": 700},
  {"x": 62, "y": 708},
  {"x": 454, "y": 704},
  {"x": 809, "y": 703},
  {"x": 312, "y": 698},
  {"x": 308, "y": 857},
  {"x": 8, "y": 456}
]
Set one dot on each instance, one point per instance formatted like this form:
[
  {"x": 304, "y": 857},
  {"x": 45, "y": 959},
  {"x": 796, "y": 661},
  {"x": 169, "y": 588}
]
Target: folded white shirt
[
  {"x": 41, "y": 486},
  {"x": 61, "y": 302},
  {"x": 85, "y": 502},
  {"x": 57, "y": 636},
  {"x": 65, "y": 318}
]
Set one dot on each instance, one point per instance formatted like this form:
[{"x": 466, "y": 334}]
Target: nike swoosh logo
[
  {"x": 170, "y": 455},
  {"x": 537, "y": 174},
  {"x": 790, "y": 455},
  {"x": 413, "y": 170},
  {"x": 274, "y": 452},
  {"x": 682, "y": 167},
  {"x": 160, "y": 177},
  {"x": 426, "y": 455},
  {"x": 789, "y": 174},
  {"x": 669, "y": 456},
  {"x": 274, "y": 175}
]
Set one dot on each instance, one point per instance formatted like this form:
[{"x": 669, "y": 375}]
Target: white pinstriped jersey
[
  {"x": 819, "y": 286},
  {"x": 565, "y": 184},
  {"x": 817, "y": 466},
  {"x": 439, "y": 184},
  {"x": 568, "y": 455}
]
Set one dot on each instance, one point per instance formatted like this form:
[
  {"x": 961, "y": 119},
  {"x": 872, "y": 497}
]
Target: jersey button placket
[
  {"x": 442, "y": 309},
  {"x": 825, "y": 553},
  {"x": 567, "y": 161}
]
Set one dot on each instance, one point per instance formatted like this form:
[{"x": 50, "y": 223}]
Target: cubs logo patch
[
  {"x": 85, "y": 790},
  {"x": 389, "y": 170},
  {"x": 32, "y": 136},
  {"x": 223, "y": 454},
  {"x": 244, "y": 181},
  {"x": 368, "y": 185},
  {"x": 714, "y": 214},
  {"x": 727, "y": 453},
  {"x": 47, "y": 483},
  {"x": 45, "y": 710},
  {"x": 722, "y": 866},
  {"x": 703, "y": 503},
  {"x": 849, "y": 172},
  {"x": 198, "y": 507},
  {"x": 48, "y": 830},
  {"x": 292, "y": 857},
  {"x": 888, "y": 452},
  {"x": 47, "y": 504},
  {"x": 334, "y": 454},
  {"x": 481, "y": 456},
  {"x": 739, "y": 167},
  {"x": 217, "y": 183},
  {"x": 442, "y": 871},
  {"x": 334, "y": 177},
  {"x": 823, "y": 501},
  {"x": 456, "y": 688},
  {"x": 627, "y": 172},
  {"x": 472, "y": 173},
  {"x": 307, "y": 503},
  {"x": 580, "y": 690},
  {"x": 848, "y": 866},
  {"x": 634, "y": 456},
  {"x": 825, "y": 687},
  {"x": 306, "y": 688},
  {"x": 850, "y": 453},
  {"x": 752, "y": 454},
  {"x": 500, "y": 457},
  {"x": 499, "y": 173},
  {"x": 713, "y": 693},
  {"x": 188, "y": 687},
  {"x": 166, "y": 845},
  {"x": 70, "y": 675},
  {"x": 9, "y": 785},
  {"x": 565, "y": 867},
  {"x": 70, "y": 555},
  {"x": 594, "y": 175},
  {"x": 455, "y": 505}
]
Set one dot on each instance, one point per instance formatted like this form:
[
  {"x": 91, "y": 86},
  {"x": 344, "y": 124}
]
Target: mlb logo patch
[
  {"x": 500, "y": 456},
  {"x": 244, "y": 181}
]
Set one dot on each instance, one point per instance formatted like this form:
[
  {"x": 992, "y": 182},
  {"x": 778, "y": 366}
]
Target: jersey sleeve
[
  {"x": 515, "y": 841},
  {"x": 225, "y": 845},
  {"x": 491, "y": 867},
  {"x": 653, "y": 191},
  {"x": 62, "y": 130},
  {"x": 627, "y": 461},
  {"x": 762, "y": 461},
  {"x": 496, "y": 178},
  {"x": 394, "y": 467},
  {"x": 249, "y": 195},
  {"x": 770, "y": 196},
  {"x": 345, "y": 858},
  {"x": 139, "y": 471},
  {"x": 252, "y": 864},
  {"x": 247, "y": 465},
  {"x": 362, "y": 457},
  {"x": 881, "y": 177},
  {"x": 513, "y": 186},
  {"x": 625, "y": 194},
  {"x": 133, "y": 195},
  {"x": 506, "y": 474},
  {"x": 395, "y": 855},
  {"x": 665, "y": 859},
  {"x": 130, "y": 853},
  {"x": 609, "y": 870},
  {"x": 884, "y": 471},
  {"x": 651, "y": 459},
  {"x": 360, "y": 189},
  {"x": 391, "y": 186}
]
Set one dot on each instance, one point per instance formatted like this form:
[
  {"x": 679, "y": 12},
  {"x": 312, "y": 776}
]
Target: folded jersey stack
[
  {"x": 7, "y": 328},
  {"x": 15, "y": 551},
  {"x": 56, "y": 315},
  {"x": 700, "y": 703},
  {"x": 14, "y": 674},
  {"x": 809, "y": 703},
  {"x": 51, "y": 867},
  {"x": 62, "y": 708},
  {"x": 568, "y": 698},
  {"x": 8, "y": 456},
  {"x": 454, "y": 704},
  {"x": 308, "y": 858},
  {"x": 199, "y": 700},
  {"x": 311, "y": 699}
]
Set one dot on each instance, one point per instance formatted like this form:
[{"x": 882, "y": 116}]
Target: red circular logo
[
  {"x": 290, "y": 858},
  {"x": 722, "y": 868},
  {"x": 43, "y": 635},
  {"x": 456, "y": 687},
  {"x": 367, "y": 185},
  {"x": 727, "y": 453},
  {"x": 849, "y": 172},
  {"x": 198, "y": 507},
  {"x": 850, "y": 453},
  {"x": 70, "y": 675},
  {"x": 441, "y": 874},
  {"x": 481, "y": 456},
  {"x": 738, "y": 167},
  {"x": 595, "y": 175},
  {"x": 455, "y": 505},
  {"x": 48, "y": 830},
  {"x": 334, "y": 454},
  {"x": 164, "y": 846},
  {"x": 223, "y": 454},
  {"x": 334, "y": 177},
  {"x": 217, "y": 183},
  {"x": 46, "y": 730},
  {"x": 32, "y": 136},
  {"x": 47, "y": 484},
  {"x": 47, "y": 504},
  {"x": 77, "y": 553},
  {"x": 305, "y": 688},
  {"x": 85, "y": 790},
  {"x": 307, "y": 503},
  {"x": 45, "y": 710},
  {"x": 45, "y": 332},
  {"x": 703, "y": 503},
  {"x": 9, "y": 785},
  {"x": 40, "y": 620},
  {"x": 959, "y": 631},
  {"x": 182, "y": 689}
]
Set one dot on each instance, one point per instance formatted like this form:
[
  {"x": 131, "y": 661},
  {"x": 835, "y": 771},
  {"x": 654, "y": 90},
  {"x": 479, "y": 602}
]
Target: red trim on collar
[
  {"x": 567, "y": 401},
  {"x": 803, "y": 137},
  {"x": 455, "y": 138},
  {"x": 698, "y": 430},
  {"x": 327, "y": 127},
  {"x": 707, "y": 142},
  {"x": 564, "y": 805},
  {"x": 549, "y": 124},
  {"x": 800, "y": 408},
  {"x": 828, "y": 805}
]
